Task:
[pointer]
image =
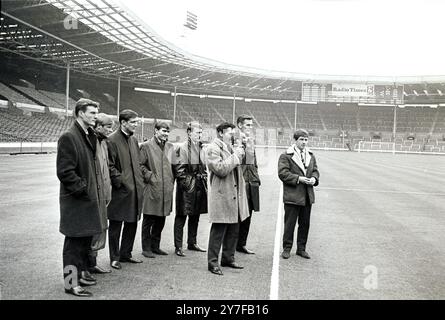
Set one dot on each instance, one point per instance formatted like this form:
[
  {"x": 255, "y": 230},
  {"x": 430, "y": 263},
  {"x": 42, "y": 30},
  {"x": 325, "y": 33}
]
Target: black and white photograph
[{"x": 242, "y": 152}]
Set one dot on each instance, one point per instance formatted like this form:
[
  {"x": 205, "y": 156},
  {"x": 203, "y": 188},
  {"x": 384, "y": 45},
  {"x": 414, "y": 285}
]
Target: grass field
[{"x": 378, "y": 212}]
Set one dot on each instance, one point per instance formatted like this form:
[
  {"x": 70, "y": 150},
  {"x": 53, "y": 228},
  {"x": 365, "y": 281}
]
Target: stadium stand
[{"x": 332, "y": 125}]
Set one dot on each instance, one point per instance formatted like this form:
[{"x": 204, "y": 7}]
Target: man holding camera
[{"x": 227, "y": 198}]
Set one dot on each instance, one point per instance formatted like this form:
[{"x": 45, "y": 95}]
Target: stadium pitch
[{"x": 377, "y": 232}]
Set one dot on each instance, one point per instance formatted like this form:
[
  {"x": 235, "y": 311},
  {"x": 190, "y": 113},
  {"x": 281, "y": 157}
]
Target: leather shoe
[
  {"x": 233, "y": 265},
  {"x": 86, "y": 275},
  {"x": 195, "y": 247},
  {"x": 131, "y": 260},
  {"x": 179, "y": 252},
  {"x": 216, "y": 270},
  {"x": 303, "y": 254},
  {"x": 99, "y": 270},
  {"x": 148, "y": 254},
  {"x": 78, "y": 292},
  {"x": 160, "y": 252},
  {"x": 116, "y": 265},
  {"x": 285, "y": 254},
  {"x": 85, "y": 282},
  {"x": 243, "y": 249}
]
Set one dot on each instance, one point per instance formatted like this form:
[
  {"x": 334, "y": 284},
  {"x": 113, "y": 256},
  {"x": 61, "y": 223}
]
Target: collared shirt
[
  {"x": 301, "y": 154},
  {"x": 160, "y": 143},
  {"x": 126, "y": 135},
  {"x": 82, "y": 126}
]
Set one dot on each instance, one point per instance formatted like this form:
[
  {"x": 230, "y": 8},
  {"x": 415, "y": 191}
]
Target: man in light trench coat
[{"x": 227, "y": 198}]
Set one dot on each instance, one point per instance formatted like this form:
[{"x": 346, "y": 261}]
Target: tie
[{"x": 302, "y": 159}]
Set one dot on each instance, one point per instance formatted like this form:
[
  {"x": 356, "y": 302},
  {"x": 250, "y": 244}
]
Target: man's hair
[
  {"x": 223, "y": 126},
  {"x": 243, "y": 117},
  {"x": 126, "y": 115},
  {"x": 82, "y": 105},
  {"x": 193, "y": 124},
  {"x": 162, "y": 124},
  {"x": 103, "y": 119},
  {"x": 301, "y": 133}
]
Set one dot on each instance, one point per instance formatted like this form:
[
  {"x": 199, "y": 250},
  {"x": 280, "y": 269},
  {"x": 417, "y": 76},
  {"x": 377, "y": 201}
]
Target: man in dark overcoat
[
  {"x": 249, "y": 167},
  {"x": 191, "y": 188},
  {"x": 298, "y": 170},
  {"x": 127, "y": 189},
  {"x": 157, "y": 170},
  {"x": 79, "y": 209}
]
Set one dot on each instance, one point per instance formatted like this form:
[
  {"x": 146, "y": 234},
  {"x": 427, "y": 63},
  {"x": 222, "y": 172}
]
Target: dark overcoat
[
  {"x": 290, "y": 168},
  {"x": 126, "y": 178},
  {"x": 250, "y": 173},
  {"x": 157, "y": 171},
  {"x": 76, "y": 170},
  {"x": 191, "y": 180}
]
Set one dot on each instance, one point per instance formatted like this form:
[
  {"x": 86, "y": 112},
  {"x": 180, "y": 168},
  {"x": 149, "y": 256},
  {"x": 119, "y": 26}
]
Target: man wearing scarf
[{"x": 297, "y": 169}]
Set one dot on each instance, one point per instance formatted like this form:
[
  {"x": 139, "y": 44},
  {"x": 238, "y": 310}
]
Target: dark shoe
[
  {"x": 116, "y": 265},
  {"x": 286, "y": 254},
  {"x": 303, "y": 254},
  {"x": 233, "y": 265},
  {"x": 148, "y": 254},
  {"x": 131, "y": 260},
  {"x": 195, "y": 247},
  {"x": 78, "y": 292},
  {"x": 160, "y": 252},
  {"x": 85, "y": 282},
  {"x": 243, "y": 249},
  {"x": 99, "y": 270},
  {"x": 87, "y": 276},
  {"x": 216, "y": 270},
  {"x": 179, "y": 252}
]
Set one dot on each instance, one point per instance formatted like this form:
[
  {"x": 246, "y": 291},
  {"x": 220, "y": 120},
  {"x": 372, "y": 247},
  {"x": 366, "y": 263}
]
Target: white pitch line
[
  {"x": 275, "y": 277},
  {"x": 384, "y": 191}
]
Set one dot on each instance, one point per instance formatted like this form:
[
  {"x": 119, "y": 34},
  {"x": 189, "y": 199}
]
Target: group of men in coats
[{"x": 107, "y": 182}]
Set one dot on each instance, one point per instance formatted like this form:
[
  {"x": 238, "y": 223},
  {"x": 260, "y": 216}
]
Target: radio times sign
[{"x": 355, "y": 92}]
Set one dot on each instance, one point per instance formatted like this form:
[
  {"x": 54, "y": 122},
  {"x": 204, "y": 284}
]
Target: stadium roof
[{"x": 101, "y": 38}]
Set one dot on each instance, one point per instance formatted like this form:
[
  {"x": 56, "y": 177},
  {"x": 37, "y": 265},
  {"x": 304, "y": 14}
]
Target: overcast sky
[{"x": 337, "y": 37}]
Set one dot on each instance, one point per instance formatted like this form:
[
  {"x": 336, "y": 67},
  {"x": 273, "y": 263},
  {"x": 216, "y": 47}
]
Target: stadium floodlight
[
  {"x": 188, "y": 95},
  {"x": 376, "y": 104},
  {"x": 307, "y": 102},
  {"x": 263, "y": 100},
  {"x": 151, "y": 90},
  {"x": 224, "y": 97},
  {"x": 421, "y": 105}
]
